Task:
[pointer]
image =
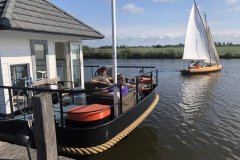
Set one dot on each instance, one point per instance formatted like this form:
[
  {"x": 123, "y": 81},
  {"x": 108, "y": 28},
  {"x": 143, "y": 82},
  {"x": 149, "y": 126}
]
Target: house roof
[{"x": 42, "y": 16}]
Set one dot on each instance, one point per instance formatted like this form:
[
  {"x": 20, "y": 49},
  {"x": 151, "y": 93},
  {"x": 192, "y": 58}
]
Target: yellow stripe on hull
[{"x": 204, "y": 69}]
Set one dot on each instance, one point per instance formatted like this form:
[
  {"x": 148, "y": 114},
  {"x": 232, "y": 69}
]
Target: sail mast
[
  {"x": 206, "y": 28},
  {"x": 114, "y": 57}
]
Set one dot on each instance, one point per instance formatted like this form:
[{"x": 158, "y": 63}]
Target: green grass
[
  {"x": 149, "y": 52},
  {"x": 229, "y": 51}
]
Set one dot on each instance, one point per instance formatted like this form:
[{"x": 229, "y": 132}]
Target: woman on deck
[
  {"x": 101, "y": 77},
  {"x": 123, "y": 84}
]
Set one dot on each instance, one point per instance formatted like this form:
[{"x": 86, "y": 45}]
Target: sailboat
[{"x": 199, "y": 45}]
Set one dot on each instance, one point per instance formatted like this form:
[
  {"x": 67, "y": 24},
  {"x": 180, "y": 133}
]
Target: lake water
[{"x": 197, "y": 117}]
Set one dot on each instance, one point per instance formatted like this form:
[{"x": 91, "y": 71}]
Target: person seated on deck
[
  {"x": 122, "y": 82},
  {"x": 197, "y": 65},
  {"x": 101, "y": 77},
  {"x": 190, "y": 66}
]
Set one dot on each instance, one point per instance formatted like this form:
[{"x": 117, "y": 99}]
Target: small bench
[
  {"x": 62, "y": 85},
  {"x": 53, "y": 81}
]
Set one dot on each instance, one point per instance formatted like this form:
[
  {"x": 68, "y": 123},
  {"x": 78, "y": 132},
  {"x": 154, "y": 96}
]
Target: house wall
[
  {"x": 12, "y": 51},
  {"x": 15, "y": 49}
]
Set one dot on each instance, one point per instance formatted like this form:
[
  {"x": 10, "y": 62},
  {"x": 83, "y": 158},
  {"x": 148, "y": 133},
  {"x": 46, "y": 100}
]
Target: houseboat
[{"x": 39, "y": 38}]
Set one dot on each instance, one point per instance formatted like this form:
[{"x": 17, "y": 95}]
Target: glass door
[
  {"x": 75, "y": 58},
  {"x": 60, "y": 69}
]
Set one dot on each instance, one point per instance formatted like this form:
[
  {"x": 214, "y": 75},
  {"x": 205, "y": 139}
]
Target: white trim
[
  {"x": 81, "y": 62},
  {"x": 81, "y": 66},
  {"x": 45, "y": 44}
]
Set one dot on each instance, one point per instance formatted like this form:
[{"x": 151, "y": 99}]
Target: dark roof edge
[
  {"x": 5, "y": 22},
  {"x": 7, "y": 12},
  {"x": 55, "y": 33},
  {"x": 101, "y": 35}
]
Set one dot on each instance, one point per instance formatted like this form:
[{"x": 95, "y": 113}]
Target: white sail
[
  {"x": 196, "y": 42},
  {"x": 214, "y": 58}
]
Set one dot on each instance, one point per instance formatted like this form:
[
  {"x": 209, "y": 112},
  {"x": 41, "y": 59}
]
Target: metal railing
[{"x": 152, "y": 74}]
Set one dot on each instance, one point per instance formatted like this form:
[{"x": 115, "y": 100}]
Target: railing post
[
  {"x": 120, "y": 90},
  {"x": 137, "y": 83},
  {"x": 92, "y": 72},
  {"x": 151, "y": 81},
  {"x": 45, "y": 133},
  {"x": 157, "y": 76},
  {"x": 61, "y": 107},
  {"x": 11, "y": 103}
]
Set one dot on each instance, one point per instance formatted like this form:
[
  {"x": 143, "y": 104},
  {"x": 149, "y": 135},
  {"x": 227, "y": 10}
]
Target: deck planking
[{"x": 11, "y": 151}]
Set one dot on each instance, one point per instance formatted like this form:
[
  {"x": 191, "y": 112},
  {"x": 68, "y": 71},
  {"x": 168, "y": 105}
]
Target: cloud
[
  {"x": 234, "y": 9},
  {"x": 164, "y": 1},
  {"x": 153, "y": 35},
  {"x": 131, "y": 8},
  {"x": 141, "y": 35},
  {"x": 231, "y": 1}
]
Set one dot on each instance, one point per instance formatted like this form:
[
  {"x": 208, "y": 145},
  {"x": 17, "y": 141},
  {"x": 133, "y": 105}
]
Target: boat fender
[
  {"x": 22, "y": 139},
  {"x": 25, "y": 138}
]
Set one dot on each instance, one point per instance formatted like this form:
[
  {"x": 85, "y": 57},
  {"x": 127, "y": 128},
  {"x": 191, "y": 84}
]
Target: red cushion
[{"x": 86, "y": 113}]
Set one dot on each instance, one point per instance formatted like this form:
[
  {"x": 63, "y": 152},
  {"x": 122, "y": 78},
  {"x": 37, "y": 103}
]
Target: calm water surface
[{"x": 197, "y": 117}]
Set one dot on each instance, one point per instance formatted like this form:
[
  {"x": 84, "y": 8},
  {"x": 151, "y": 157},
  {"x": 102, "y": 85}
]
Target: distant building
[{"x": 35, "y": 35}]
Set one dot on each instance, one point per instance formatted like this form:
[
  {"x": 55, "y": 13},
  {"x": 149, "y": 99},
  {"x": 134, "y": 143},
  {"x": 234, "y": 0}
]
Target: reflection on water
[
  {"x": 195, "y": 92},
  {"x": 142, "y": 140}
]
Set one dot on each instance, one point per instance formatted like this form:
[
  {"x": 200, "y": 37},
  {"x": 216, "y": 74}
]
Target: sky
[{"x": 152, "y": 22}]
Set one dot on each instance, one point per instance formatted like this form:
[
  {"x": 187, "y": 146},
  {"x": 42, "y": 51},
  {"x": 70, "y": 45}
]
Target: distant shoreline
[
  {"x": 149, "y": 58},
  {"x": 225, "y": 52}
]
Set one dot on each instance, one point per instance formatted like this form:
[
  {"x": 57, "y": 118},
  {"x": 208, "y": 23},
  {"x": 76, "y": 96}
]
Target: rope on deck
[{"x": 113, "y": 141}]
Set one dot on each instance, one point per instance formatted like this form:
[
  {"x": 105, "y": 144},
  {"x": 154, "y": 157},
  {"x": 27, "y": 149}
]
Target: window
[
  {"x": 18, "y": 72},
  {"x": 39, "y": 51}
]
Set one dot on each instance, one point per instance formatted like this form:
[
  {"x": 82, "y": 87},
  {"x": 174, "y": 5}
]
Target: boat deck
[{"x": 12, "y": 151}]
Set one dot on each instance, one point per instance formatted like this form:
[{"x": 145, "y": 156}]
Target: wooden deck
[{"x": 12, "y": 151}]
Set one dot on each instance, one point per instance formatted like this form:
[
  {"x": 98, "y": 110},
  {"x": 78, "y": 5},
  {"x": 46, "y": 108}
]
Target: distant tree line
[
  {"x": 159, "y": 46},
  {"x": 225, "y": 50},
  {"x": 168, "y": 46},
  {"x": 223, "y": 43}
]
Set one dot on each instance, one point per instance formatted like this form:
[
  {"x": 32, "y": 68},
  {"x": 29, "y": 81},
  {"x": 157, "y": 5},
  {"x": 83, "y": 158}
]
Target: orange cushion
[
  {"x": 146, "y": 81},
  {"x": 86, "y": 113}
]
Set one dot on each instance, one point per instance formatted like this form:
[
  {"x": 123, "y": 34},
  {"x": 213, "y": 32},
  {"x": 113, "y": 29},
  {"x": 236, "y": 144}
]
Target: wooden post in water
[{"x": 45, "y": 133}]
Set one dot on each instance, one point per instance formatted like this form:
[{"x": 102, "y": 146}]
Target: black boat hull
[
  {"x": 16, "y": 131},
  {"x": 95, "y": 136}
]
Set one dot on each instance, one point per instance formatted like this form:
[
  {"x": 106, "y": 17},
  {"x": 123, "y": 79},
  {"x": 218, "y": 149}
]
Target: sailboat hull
[{"x": 202, "y": 70}]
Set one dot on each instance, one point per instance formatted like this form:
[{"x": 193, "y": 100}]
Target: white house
[{"x": 35, "y": 35}]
